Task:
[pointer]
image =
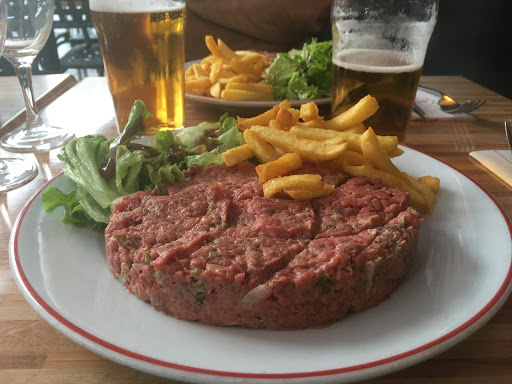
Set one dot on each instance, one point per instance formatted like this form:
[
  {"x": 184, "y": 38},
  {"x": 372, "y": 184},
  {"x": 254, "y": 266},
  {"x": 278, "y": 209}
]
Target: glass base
[
  {"x": 15, "y": 172},
  {"x": 41, "y": 138}
]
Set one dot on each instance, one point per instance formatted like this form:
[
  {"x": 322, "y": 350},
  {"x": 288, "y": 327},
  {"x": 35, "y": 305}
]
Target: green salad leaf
[
  {"x": 105, "y": 170},
  {"x": 302, "y": 74}
]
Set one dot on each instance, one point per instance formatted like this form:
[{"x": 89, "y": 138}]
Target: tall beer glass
[
  {"x": 142, "y": 43},
  {"x": 379, "y": 47}
]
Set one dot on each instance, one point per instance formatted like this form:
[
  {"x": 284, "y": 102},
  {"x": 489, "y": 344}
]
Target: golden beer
[
  {"x": 144, "y": 56},
  {"x": 387, "y": 76}
]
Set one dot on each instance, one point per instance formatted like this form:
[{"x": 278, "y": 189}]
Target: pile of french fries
[
  {"x": 229, "y": 75},
  {"x": 283, "y": 138}
]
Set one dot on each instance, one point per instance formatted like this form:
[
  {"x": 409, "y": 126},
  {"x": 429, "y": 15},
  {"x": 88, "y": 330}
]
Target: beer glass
[
  {"x": 379, "y": 47},
  {"x": 29, "y": 24},
  {"x": 143, "y": 48}
]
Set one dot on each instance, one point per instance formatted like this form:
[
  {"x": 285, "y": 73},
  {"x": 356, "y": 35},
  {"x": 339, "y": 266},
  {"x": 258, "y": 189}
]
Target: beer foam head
[{"x": 135, "y": 6}]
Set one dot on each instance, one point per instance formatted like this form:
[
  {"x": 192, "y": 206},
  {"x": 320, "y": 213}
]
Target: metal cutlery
[
  {"x": 449, "y": 105},
  {"x": 420, "y": 112},
  {"x": 508, "y": 133}
]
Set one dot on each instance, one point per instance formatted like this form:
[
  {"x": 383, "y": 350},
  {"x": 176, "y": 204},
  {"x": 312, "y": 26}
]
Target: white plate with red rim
[{"x": 460, "y": 277}]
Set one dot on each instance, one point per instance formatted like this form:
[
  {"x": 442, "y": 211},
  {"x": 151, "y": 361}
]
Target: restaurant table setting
[{"x": 65, "y": 318}]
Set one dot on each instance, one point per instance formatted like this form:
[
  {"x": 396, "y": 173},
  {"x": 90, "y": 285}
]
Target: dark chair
[{"x": 73, "y": 17}]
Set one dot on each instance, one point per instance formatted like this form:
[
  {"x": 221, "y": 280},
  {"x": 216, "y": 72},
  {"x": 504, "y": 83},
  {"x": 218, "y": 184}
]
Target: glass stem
[{"x": 24, "y": 73}]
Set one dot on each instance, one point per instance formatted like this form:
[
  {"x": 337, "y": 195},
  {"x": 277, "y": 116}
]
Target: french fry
[
  {"x": 235, "y": 94},
  {"x": 284, "y": 164},
  {"x": 261, "y": 119},
  {"x": 309, "y": 111},
  {"x": 212, "y": 46},
  {"x": 373, "y": 151},
  {"x": 237, "y": 155},
  {"x": 309, "y": 149},
  {"x": 432, "y": 182},
  {"x": 263, "y": 150},
  {"x": 308, "y": 194},
  {"x": 389, "y": 143},
  {"x": 198, "y": 70},
  {"x": 215, "y": 90},
  {"x": 363, "y": 109},
  {"x": 226, "y": 52},
  {"x": 285, "y": 119},
  {"x": 305, "y": 181},
  {"x": 252, "y": 87}
]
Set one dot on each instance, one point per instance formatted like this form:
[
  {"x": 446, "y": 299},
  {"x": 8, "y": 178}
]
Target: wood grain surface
[{"x": 32, "y": 351}]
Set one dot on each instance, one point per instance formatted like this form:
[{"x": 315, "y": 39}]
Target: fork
[{"x": 449, "y": 105}]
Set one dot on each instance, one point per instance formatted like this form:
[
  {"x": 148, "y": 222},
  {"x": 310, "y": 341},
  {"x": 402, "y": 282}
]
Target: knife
[{"x": 419, "y": 111}]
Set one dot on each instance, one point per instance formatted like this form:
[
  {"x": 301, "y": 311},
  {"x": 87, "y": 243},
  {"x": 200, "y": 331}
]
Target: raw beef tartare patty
[{"x": 212, "y": 249}]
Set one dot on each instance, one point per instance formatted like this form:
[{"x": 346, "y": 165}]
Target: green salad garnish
[
  {"x": 105, "y": 170},
  {"x": 302, "y": 74}
]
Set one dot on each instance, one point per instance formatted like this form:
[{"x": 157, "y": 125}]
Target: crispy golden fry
[
  {"x": 284, "y": 164},
  {"x": 235, "y": 94},
  {"x": 212, "y": 46},
  {"x": 226, "y": 52},
  {"x": 309, "y": 111},
  {"x": 432, "y": 182},
  {"x": 198, "y": 70},
  {"x": 417, "y": 200},
  {"x": 252, "y": 87},
  {"x": 285, "y": 119},
  {"x": 262, "y": 119},
  {"x": 285, "y": 104},
  {"x": 202, "y": 84},
  {"x": 363, "y": 109},
  {"x": 308, "y": 194},
  {"x": 263, "y": 150},
  {"x": 306, "y": 181},
  {"x": 242, "y": 78},
  {"x": 358, "y": 128},
  {"x": 389, "y": 143},
  {"x": 424, "y": 190},
  {"x": 317, "y": 123},
  {"x": 373, "y": 151},
  {"x": 309, "y": 149},
  {"x": 274, "y": 124},
  {"x": 215, "y": 90},
  {"x": 312, "y": 133},
  {"x": 236, "y": 155}
]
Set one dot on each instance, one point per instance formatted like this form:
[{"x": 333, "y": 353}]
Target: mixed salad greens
[
  {"x": 105, "y": 170},
  {"x": 302, "y": 74}
]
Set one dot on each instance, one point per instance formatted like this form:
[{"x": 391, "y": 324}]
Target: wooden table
[{"x": 31, "y": 351}]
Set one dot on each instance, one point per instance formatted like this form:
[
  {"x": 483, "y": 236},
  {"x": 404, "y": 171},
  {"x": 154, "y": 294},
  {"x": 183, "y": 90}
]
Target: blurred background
[{"x": 471, "y": 39}]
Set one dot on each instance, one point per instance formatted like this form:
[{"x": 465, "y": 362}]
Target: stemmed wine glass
[
  {"x": 13, "y": 172},
  {"x": 29, "y": 24}
]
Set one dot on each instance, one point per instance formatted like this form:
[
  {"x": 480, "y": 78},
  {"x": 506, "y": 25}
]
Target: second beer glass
[
  {"x": 143, "y": 49},
  {"x": 378, "y": 48}
]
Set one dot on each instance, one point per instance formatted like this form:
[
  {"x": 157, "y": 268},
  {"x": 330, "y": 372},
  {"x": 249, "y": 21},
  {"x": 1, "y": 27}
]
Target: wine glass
[
  {"x": 29, "y": 24},
  {"x": 13, "y": 172}
]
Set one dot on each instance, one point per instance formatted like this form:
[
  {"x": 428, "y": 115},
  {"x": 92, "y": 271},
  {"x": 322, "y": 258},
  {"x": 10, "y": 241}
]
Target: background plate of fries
[{"x": 247, "y": 107}]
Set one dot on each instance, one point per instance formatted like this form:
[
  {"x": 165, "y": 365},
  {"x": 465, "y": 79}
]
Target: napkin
[
  {"x": 428, "y": 102},
  {"x": 499, "y": 162}
]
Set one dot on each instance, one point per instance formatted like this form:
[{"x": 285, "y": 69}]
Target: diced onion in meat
[
  {"x": 138, "y": 266},
  {"x": 256, "y": 294}
]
